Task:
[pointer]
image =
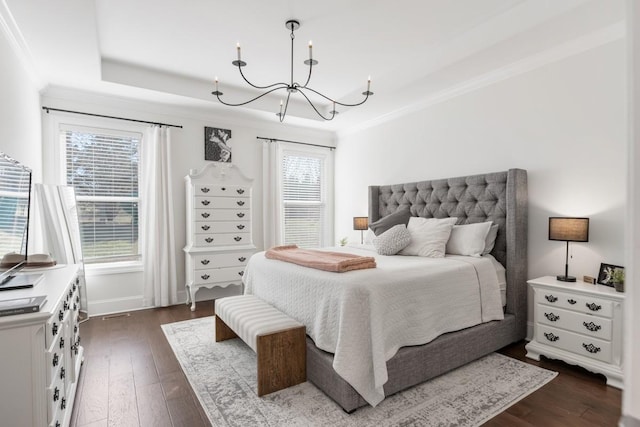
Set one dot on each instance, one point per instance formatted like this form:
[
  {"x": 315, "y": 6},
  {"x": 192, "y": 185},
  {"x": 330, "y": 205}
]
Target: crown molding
[
  {"x": 17, "y": 42},
  {"x": 557, "y": 53}
]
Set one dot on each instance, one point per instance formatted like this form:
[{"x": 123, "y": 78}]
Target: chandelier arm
[
  {"x": 249, "y": 101},
  {"x": 282, "y": 115},
  {"x": 340, "y": 103},
  {"x": 308, "y": 77},
  {"x": 256, "y": 86},
  {"x": 333, "y": 114}
]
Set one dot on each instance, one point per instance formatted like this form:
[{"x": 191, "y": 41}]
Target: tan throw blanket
[{"x": 322, "y": 260}]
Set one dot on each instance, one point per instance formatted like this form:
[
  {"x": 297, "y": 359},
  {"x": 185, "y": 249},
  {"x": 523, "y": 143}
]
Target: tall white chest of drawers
[
  {"x": 219, "y": 238},
  {"x": 579, "y": 323},
  {"x": 41, "y": 354}
]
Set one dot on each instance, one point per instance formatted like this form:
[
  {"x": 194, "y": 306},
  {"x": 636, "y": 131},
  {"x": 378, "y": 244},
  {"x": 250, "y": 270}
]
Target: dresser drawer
[
  {"x": 594, "y": 326},
  {"x": 575, "y": 343},
  {"x": 54, "y": 356},
  {"x": 53, "y": 326},
  {"x": 222, "y": 202},
  {"x": 580, "y": 303},
  {"x": 221, "y": 214},
  {"x": 221, "y": 260},
  {"x": 221, "y": 190},
  {"x": 229, "y": 239},
  {"x": 56, "y": 401},
  {"x": 222, "y": 227},
  {"x": 216, "y": 275}
]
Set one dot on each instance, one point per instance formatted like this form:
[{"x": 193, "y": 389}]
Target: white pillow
[
  {"x": 428, "y": 236},
  {"x": 468, "y": 239},
  {"x": 490, "y": 241},
  {"x": 393, "y": 240}
]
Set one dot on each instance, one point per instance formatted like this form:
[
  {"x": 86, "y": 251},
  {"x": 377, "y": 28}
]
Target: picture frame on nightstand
[{"x": 606, "y": 274}]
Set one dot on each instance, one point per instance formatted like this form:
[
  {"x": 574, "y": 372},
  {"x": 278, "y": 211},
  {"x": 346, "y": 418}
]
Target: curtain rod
[
  {"x": 296, "y": 142},
  {"x": 47, "y": 109}
]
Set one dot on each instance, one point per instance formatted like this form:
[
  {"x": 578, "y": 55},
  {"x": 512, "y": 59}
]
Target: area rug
[{"x": 223, "y": 376}]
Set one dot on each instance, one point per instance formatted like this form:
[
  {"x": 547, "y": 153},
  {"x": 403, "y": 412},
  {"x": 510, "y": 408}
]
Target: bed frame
[{"x": 500, "y": 197}]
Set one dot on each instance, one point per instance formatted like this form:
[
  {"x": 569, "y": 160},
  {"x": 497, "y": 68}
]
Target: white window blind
[
  {"x": 14, "y": 204},
  {"x": 303, "y": 199},
  {"x": 103, "y": 167}
]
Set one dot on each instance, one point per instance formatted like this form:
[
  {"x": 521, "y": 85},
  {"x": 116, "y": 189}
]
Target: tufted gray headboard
[{"x": 500, "y": 197}]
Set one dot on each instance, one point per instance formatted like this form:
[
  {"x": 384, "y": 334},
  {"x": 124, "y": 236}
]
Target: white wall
[
  {"x": 565, "y": 123},
  {"x": 19, "y": 109},
  {"x": 123, "y": 291}
]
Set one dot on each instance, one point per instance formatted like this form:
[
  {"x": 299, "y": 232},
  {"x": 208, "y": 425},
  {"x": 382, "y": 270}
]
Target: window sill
[{"x": 113, "y": 268}]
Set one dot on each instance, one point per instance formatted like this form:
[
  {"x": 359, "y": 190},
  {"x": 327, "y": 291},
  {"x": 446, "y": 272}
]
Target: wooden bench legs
[{"x": 281, "y": 357}]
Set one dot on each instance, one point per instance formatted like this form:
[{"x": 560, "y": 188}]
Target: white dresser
[
  {"x": 579, "y": 323},
  {"x": 41, "y": 354},
  {"x": 219, "y": 241}
]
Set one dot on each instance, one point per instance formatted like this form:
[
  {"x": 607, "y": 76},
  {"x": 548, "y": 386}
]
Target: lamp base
[{"x": 566, "y": 278}]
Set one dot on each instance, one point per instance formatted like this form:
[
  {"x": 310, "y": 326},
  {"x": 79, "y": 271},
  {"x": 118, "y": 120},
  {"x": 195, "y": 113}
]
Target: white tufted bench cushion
[{"x": 278, "y": 340}]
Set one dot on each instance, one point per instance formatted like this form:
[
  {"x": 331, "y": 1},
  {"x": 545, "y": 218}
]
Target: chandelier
[{"x": 291, "y": 87}]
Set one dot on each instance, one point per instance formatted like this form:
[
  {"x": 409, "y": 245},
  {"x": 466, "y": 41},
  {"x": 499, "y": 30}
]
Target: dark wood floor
[{"x": 131, "y": 377}]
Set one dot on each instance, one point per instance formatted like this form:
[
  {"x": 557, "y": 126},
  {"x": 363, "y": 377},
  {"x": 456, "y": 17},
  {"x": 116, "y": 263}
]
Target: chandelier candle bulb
[
  {"x": 310, "y": 49},
  {"x": 238, "y": 47}
]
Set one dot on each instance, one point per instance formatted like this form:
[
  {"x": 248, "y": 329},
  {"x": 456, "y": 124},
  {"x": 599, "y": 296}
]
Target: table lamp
[
  {"x": 568, "y": 230},
  {"x": 361, "y": 223}
]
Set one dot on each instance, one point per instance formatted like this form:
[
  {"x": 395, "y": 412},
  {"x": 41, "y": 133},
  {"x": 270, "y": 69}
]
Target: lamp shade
[
  {"x": 569, "y": 229},
  {"x": 360, "y": 222}
]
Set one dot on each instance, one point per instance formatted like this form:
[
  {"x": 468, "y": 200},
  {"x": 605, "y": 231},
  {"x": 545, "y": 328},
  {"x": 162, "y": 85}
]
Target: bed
[{"x": 499, "y": 197}]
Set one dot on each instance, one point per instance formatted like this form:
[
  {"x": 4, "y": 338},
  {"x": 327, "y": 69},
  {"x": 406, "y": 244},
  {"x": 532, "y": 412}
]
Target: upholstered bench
[{"x": 278, "y": 340}]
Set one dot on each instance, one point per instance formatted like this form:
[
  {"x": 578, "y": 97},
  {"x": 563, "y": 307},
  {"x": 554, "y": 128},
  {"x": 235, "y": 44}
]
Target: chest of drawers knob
[
  {"x": 551, "y": 298},
  {"x": 55, "y": 360},
  {"x": 591, "y": 348},
  {"x": 204, "y": 261},
  {"x": 240, "y": 226},
  {"x": 56, "y": 394},
  {"x": 240, "y": 203},
  {"x": 63, "y": 403},
  {"x": 237, "y": 238},
  {"x": 592, "y": 326},
  {"x": 593, "y": 306},
  {"x": 240, "y": 215},
  {"x": 209, "y": 239},
  {"x": 551, "y": 337},
  {"x": 205, "y": 227},
  {"x": 61, "y": 343},
  {"x": 242, "y": 259},
  {"x": 240, "y": 191},
  {"x": 205, "y": 276},
  {"x": 552, "y": 317},
  {"x": 205, "y": 214},
  {"x": 205, "y": 190},
  {"x": 572, "y": 301},
  {"x": 62, "y": 373},
  {"x": 206, "y": 202},
  {"x": 241, "y": 273}
]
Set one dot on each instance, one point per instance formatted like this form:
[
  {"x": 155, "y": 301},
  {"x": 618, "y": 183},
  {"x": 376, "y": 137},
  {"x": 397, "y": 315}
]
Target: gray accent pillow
[
  {"x": 393, "y": 240},
  {"x": 385, "y": 223}
]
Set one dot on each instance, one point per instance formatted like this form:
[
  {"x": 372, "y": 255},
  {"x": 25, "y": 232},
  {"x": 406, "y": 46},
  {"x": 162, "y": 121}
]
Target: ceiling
[{"x": 169, "y": 51}]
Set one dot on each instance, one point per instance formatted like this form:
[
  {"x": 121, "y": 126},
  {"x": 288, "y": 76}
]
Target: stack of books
[{"x": 9, "y": 307}]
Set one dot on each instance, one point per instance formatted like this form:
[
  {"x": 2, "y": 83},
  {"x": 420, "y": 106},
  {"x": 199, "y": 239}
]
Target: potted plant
[{"x": 617, "y": 277}]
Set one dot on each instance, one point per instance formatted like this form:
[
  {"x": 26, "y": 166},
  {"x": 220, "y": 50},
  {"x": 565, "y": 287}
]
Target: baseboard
[{"x": 629, "y": 421}]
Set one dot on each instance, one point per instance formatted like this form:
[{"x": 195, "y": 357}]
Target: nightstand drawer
[
  {"x": 221, "y": 260},
  {"x": 575, "y": 343},
  {"x": 581, "y": 303},
  {"x": 216, "y": 275},
  {"x": 595, "y": 326},
  {"x": 238, "y": 226},
  {"x": 222, "y": 239}
]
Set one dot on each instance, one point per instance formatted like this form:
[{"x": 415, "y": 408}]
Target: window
[
  {"x": 103, "y": 167},
  {"x": 306, "y": 221}
]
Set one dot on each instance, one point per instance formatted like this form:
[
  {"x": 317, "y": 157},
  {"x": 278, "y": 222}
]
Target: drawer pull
[
  {"x": 63, "y": 403},
  {"x": 205, "y": 190},
  {"x": 241, "y": 273},
  {"x": 237, "y": 238},
  {"x": 552, "y": 317},
  {"x": 61, "y": 342},
  {"x": 205, "y": 214},
  {"x": 240, "y": 227},
  {"x": 209, "y": 239},
  {"x": 75, "y": 329},
  {"x": 205, "y": 276},
  {"x": 224, "y": 189},
  {"x": 592, "y": 326},
  {"x": 240, "y": 215},
  {"x": 61, "y": 315},
  {"x": 591, "y": 348},
  {"x": 204, "y": 261},
  {"x": 205, "y": 227},
  {"x": 240, "y": 191},
  {"x": 572, "y": 301},
  {"x": 593, "y": 306},
  {"x": 551, "y": 298},
  {"x": 65, "y": 307},
  {"x": 62, "y": 373},
  {"x": 56, "y": 359},
  {"x": 56, "y": 394},
  {"x": 57, "y": 423},
  {"x": 206, "y": 202},
  {"x": 242, "y": 259},
  {"x": 240, "y": 203},
  {"x": 551, "y": 337},
  {"x": 54, "y": 329}
]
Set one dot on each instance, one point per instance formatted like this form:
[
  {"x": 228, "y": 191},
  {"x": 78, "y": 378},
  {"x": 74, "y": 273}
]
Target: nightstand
[{"x": 578, "y": 323}]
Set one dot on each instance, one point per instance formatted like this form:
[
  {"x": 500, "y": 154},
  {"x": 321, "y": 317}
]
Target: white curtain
[
  {"x": 271, "y": 194},
  {"x": 156, "y": 215}
]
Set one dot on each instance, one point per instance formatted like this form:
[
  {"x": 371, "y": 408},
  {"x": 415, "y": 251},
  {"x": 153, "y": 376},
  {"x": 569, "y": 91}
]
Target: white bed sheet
[{"x": 363, "y": 317}]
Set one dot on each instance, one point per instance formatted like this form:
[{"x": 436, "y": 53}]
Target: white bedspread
[{"x": 365, "y": 316}]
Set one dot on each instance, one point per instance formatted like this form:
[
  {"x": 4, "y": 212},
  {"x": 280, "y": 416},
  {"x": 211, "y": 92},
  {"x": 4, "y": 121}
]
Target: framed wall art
[{"x": 217, "y": 145}]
